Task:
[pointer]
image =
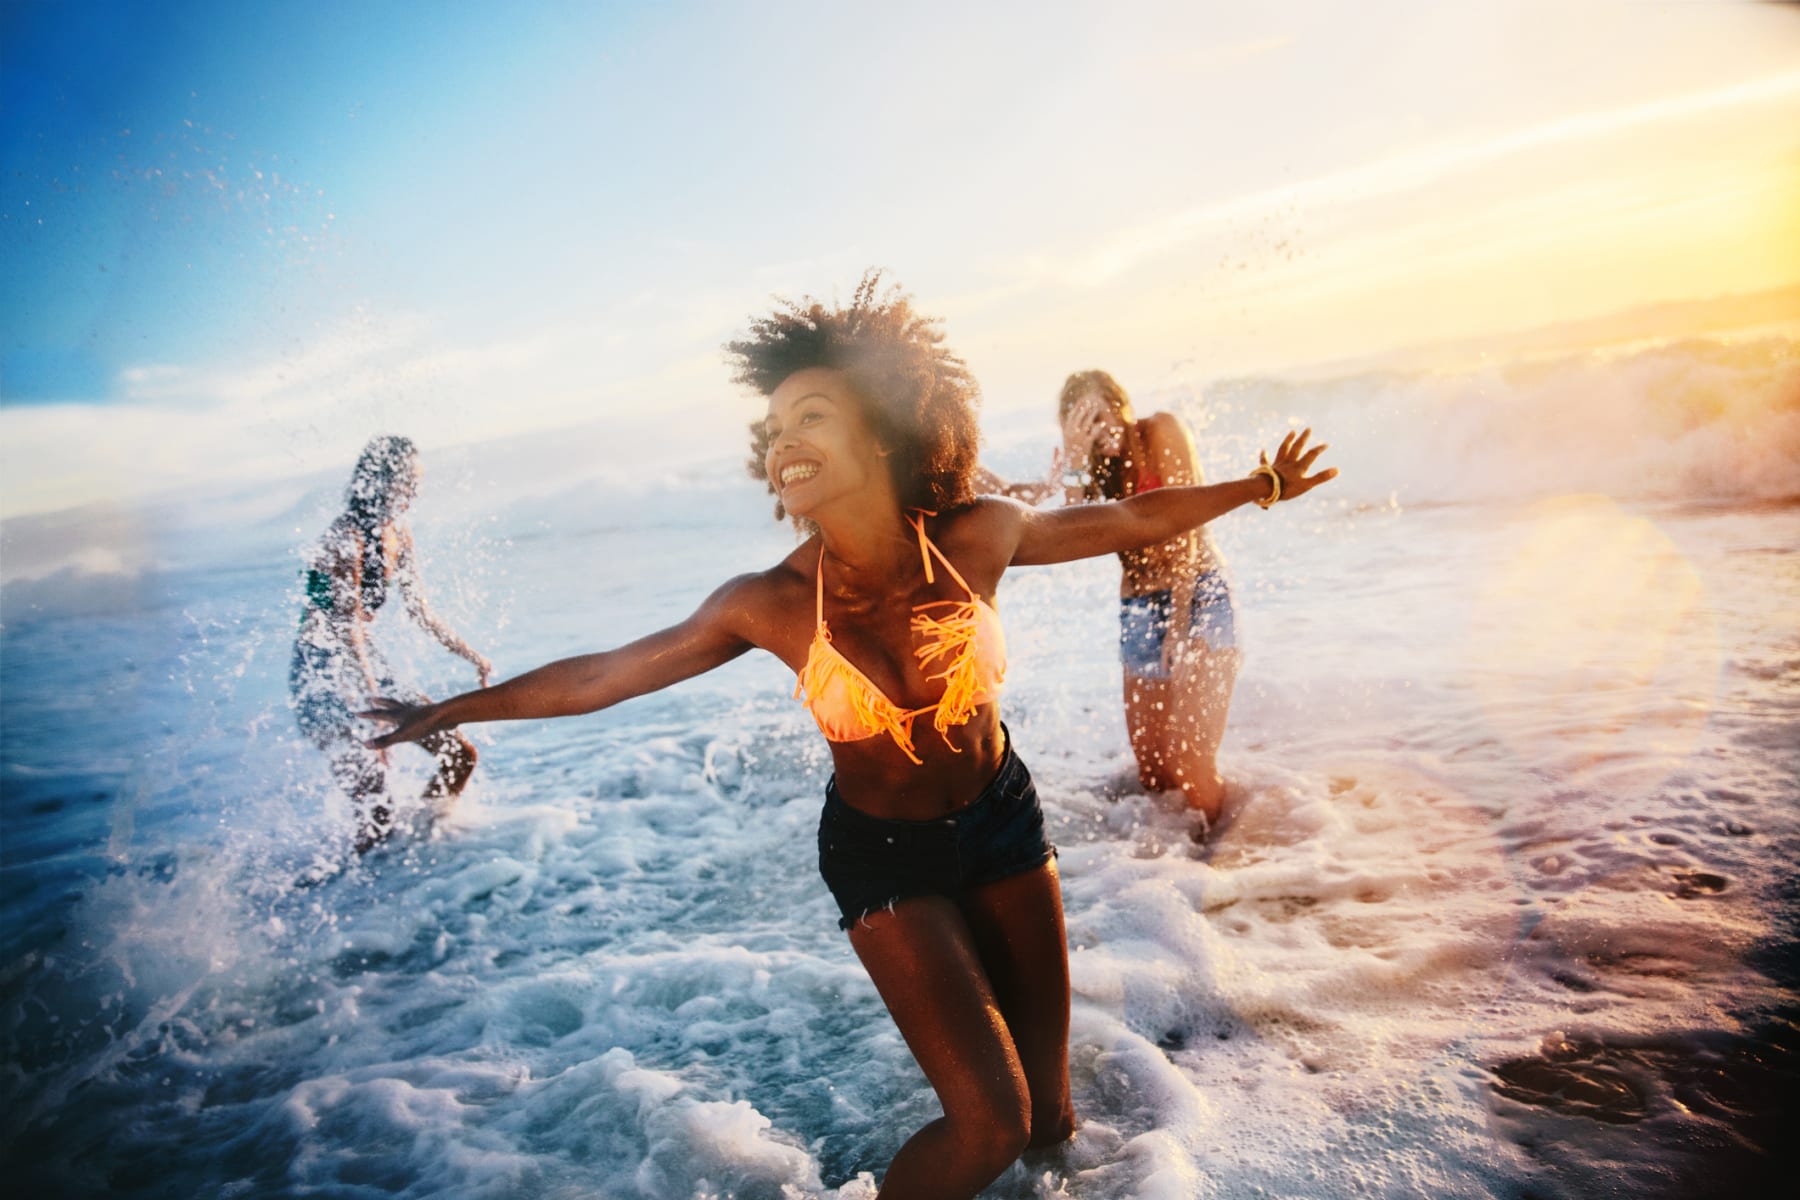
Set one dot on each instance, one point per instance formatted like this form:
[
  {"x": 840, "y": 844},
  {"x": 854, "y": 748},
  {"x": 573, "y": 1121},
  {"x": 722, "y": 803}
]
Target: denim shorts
[
  {"x": 871, "y": 863},
  {"x": 1144, "y": 624}
]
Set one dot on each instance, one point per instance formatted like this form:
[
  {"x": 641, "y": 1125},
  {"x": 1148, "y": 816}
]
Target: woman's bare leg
[
  {"x": 1199, "y": 703},
  {"x": 1018, "y": 928},
  {"x": 1148, "y": 711},
  {"x": 456, "y": 757},
  {"x": 924, "y": 960},
  {"x": 362, "y": 774}
]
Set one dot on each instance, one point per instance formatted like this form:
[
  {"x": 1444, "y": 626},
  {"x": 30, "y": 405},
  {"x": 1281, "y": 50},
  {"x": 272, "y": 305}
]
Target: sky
[{"x": 237, "y": 240}]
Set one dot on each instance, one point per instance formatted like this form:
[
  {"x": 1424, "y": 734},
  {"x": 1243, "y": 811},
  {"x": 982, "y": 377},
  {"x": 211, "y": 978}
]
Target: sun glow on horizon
[
  {"x": 1412, "y": 170},
  {"x": 1566, "y": 220}
]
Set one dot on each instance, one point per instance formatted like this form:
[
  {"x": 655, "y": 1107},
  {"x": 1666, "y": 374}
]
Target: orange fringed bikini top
[{"x": 967, "y": 640}]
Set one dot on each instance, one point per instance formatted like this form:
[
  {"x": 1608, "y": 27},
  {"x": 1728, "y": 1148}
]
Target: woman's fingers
[
  {"x": 382, "y": 709},
  {"x": 1079, "y": 418},
  {"x": 1085, "y": 426},
  {"x": 1308, "y": 483},
  {"x": 1078, "y": 441},
  {"x": 400, "y": 715},
  {"x": 1294, "y": 459},
  {"x": 1295, "y": 445}
]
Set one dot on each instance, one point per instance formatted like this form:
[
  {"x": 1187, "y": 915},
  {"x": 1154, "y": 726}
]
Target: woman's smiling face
[{"x": 820, "y": 444}]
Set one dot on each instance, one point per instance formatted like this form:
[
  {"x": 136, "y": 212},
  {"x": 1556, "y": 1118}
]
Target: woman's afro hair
[{"x": 917, "y": 396}]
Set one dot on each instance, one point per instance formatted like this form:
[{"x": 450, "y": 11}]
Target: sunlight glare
[{"x": 1595, "y": 647}]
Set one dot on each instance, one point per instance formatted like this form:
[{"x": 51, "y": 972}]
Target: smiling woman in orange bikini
[{"x": 931, "y": 839}]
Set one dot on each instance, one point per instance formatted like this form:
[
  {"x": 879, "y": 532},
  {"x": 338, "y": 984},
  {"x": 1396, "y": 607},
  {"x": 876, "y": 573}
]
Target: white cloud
[{"x": 311, "y": 410}]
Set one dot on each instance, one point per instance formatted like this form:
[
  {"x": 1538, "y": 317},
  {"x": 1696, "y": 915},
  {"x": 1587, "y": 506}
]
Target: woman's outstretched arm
[
  {"x": 412, "y": 593},
  {"x": 1088, "y": 530},
  {"x": 711, "y": 637}
]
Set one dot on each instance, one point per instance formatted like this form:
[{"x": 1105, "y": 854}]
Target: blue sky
[
  {"x": 241, "y": 237},
  {"x": 175, "y": 168}
]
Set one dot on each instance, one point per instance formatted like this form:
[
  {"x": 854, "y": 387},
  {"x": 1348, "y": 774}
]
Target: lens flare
[{"x": 1594, "y": 648}]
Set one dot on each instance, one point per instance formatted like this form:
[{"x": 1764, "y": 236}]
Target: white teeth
[{"x": 797, "y": 472}]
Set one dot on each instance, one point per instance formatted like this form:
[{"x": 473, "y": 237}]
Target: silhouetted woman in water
[{"x": 336, "y": 670}]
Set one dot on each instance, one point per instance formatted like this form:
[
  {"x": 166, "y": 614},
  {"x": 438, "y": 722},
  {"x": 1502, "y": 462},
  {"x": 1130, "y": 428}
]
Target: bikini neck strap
[{"x": 927, "y": 548}]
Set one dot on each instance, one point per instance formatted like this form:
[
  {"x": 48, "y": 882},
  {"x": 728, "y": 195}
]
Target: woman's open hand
[
  {"x": 1082, "y": 428},
  {"x": 1294, "y": 460},
  {"x": 410, "y": 721}
]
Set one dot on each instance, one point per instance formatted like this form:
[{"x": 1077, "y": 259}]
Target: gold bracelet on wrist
[{"x": 1274, "y": 477}]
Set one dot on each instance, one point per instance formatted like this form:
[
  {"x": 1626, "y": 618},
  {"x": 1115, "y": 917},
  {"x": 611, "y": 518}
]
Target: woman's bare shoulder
[
  {"x": 768, "y": 608},
  {"x": 1171, "y": 447},
  {"x": 1163, "y": 428},
  {"x": 980, "y": 537},
  {"x": 982, "y": 517},
  {"x": 775, "y": 588},
  {"x": 340, "y": 544}
]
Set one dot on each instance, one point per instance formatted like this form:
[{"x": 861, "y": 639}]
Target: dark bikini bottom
[{"x": 871, "y": 863}]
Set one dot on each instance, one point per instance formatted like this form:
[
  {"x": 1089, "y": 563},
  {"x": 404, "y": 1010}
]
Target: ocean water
[{"x": 1508, "y": 910}]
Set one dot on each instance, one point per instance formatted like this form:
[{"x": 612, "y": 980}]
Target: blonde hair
[
  {"x": 1107, "y": 472},
  {"x": 1082, "y": 382}
]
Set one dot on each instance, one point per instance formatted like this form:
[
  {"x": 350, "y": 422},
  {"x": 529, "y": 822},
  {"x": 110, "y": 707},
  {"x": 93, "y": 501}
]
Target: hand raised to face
[{"x": 1090, "y": 425}]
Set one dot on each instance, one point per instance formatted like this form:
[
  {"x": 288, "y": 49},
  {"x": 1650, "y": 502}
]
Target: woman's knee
[
  {"x": 997, "y": 1143},
  {"x": 453, "y": 751},
  {"x": 996, "y": 1131},
  {"x": 445, "y": 742}
]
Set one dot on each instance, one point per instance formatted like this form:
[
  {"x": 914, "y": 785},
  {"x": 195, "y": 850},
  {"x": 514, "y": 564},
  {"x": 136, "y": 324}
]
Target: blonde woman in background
[{"x": 1177, "y": 636}]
